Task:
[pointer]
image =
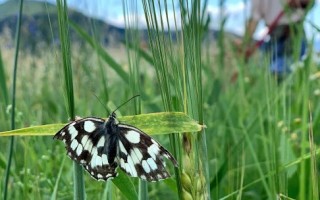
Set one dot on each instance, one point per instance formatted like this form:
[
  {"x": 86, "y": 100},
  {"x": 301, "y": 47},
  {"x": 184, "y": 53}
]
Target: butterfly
[{"x": 100, "y": 146}]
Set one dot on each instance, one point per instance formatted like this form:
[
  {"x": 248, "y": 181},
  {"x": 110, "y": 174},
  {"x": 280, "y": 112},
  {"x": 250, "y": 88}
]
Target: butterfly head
[{"x": 113, "y": 118}]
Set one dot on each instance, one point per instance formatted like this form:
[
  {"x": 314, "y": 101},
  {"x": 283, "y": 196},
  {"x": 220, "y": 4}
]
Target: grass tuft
[{"x": 178, "y": 68}]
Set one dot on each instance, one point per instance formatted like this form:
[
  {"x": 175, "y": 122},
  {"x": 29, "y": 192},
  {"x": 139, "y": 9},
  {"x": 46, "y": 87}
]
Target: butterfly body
[{"x": 100, "y": 146}]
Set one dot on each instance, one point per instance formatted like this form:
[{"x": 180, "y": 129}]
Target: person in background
[{"x": 285, "y": 19}]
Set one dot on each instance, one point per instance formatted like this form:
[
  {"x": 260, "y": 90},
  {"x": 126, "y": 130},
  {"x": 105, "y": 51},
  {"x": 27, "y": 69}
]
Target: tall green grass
[
  {"x": 13, "y": 101},
  {"x": 178, "y": 66},
  {"x": 132, "y": 37},
  {"x": 261, "y": 137},
  {"x": 79, "y": 190}
]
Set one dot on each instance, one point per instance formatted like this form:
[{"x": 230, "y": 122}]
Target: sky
[{"x": 236, "y": 12}]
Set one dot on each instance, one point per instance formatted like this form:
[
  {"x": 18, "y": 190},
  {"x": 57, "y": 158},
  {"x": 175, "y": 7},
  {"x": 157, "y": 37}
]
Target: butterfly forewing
[
  {"x": 141, "y": 156},
  {"x": 87, "y": 143}
]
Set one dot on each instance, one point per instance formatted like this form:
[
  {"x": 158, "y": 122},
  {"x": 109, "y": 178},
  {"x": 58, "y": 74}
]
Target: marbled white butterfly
[{"x": 101, "y": 145}]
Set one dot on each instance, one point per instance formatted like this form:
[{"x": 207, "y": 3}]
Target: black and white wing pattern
[
  {"x": 141, "y": 156},
  {"x": 87, "y": 143},
  {"x": 101, "y": 145}
]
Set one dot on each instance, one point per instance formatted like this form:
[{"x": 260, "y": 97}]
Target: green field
[{"x": 260, "y": 139}]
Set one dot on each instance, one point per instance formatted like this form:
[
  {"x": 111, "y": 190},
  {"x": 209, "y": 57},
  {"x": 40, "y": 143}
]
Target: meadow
[{"x": 260, "y": 139}]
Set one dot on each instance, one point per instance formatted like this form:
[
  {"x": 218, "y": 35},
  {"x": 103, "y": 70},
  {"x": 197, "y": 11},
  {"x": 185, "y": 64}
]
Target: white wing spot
[
  {"x": 98, "y": 161},
  {"x": 145, "y": 166},
  {"x": 95, "y": 156},
  {"x": 74, "y": 145},
  {"x": 151, "y": 163},
  {"x": 84, "y": 139},
  {"x": 99, "y": 176},
  {"x": 132, "y": 167},
  {"x": 101, "y": 142},
  {"x": 105, "y": 159},
  {"x": 94, "y": 151},
  {"x": 128, "y": 169},
  {"x": 110, "y": 176},
  {"x": 122, "y": 148},
  {"x": 88, "y": 146},
  {"x": 153, "y": 150},
  {"x": 63, "y": 133},
  {"x": 143, "y": 177},
  {"x": 89, "y": 126},
  {"x": 73, "y": 132},
  {"x": 136, "y": 155},
  {"x": 122, "y": 163},
  {"x": 133, "y": 136},
  {"x": 79, "y": 149},
  {"x": 93, "y": 161}
]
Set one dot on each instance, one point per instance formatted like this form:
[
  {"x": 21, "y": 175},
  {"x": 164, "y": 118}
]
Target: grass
[
  {"x": 13, "y": 102},
  {"x": 79, "y": 188},
  {"x": 261, "y": 137},
  {"x": 179, "y": 72}
]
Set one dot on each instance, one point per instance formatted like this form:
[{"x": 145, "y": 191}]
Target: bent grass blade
[{"x": 152, "y": 124}]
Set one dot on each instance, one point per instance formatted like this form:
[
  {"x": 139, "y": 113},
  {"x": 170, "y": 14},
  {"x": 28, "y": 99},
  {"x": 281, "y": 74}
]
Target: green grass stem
[
  {"x": 13, "y": 101},
  {"x": 132, "y": 37},
  {"x": 3, "y": 84},
  {"x": 179, "y": 71},
  {"x": 79, "y": 188},
  {"x": 103, "y": 54}
]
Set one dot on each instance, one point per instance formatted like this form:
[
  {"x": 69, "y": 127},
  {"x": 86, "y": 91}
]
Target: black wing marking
[
  {"x": 88, "y": 144},
  {"x": 141, "y": 156}
]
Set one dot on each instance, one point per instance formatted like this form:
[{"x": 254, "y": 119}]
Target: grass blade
[
  {"x": 79, "y": 191},
  {"x": 104, "y": 55},
  {"x": 55, "y": 190},
  {"x": 125, "y": 185},
  {"x": 13, "y": 101},
  {"x": 152, "y": 124},
  {"x": 132, "y": 36},
  {"x": 178, "y": 66},
  {"x": 3, "y": 85},
  {"x": 143, "y": 53}
]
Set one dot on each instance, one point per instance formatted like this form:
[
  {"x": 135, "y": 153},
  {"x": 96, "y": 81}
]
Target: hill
[
  {"x": 30, "y": 8},
  {"x": 40, "y": 25}
]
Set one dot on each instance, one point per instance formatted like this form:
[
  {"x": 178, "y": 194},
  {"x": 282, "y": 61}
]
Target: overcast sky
[{"x": 236, "y": 11}]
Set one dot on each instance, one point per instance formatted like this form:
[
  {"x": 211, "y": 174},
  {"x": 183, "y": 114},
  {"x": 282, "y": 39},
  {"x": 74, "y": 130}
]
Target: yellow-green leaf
[{"x": 152, "y": 124}]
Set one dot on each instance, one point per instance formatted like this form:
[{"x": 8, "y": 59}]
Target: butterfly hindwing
[
  {"x": 88, "y": 144},
  {"x": 141, "y": 156}
]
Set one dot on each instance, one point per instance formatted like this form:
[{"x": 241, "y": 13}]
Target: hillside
[
  {"x": 30, "y": 8},
  {"x": 40, "y": 25}
]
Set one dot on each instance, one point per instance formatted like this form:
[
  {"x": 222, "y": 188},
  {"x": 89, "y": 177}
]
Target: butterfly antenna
[
  {"x": 126, "y": 102},
  {"x": 108, "y": 111}
]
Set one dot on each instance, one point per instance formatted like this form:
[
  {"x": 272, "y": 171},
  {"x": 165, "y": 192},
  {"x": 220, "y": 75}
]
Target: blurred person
[{"x": 284, "y": 19}]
